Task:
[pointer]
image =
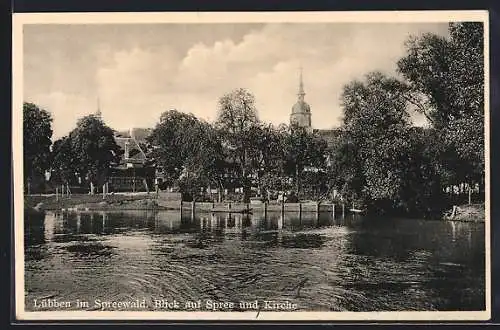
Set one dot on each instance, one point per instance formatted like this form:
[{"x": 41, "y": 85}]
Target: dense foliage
[
  {"x": 37, "y": 134},
  {"x": 86, "y": 154},
  {"x": 376, "y": 159},
  {"x": 446, "y": 78}
]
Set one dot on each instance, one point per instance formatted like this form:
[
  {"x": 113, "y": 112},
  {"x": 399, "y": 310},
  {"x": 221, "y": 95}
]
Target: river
[{"x": 316, "y": 263}]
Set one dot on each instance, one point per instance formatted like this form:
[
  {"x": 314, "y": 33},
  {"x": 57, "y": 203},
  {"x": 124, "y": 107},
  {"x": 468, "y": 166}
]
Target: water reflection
[{"x": 316, "y": 261}]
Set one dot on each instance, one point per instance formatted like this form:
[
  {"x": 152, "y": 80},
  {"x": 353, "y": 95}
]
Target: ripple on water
[{"x": 350, "y": 266}]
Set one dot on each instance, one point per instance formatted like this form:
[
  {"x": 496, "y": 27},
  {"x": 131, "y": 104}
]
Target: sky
[{"x": 137, "y": 71}]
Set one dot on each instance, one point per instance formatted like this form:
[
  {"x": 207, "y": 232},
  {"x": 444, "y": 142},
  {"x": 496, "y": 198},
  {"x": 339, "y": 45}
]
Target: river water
[{"x": 316, "y": 263}]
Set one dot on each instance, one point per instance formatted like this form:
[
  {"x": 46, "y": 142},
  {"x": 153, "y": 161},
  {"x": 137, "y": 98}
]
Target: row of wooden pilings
[{"x": 264, "y": 207}]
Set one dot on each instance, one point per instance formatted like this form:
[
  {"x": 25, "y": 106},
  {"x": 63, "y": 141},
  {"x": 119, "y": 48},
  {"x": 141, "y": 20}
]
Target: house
[{"x": 133, "y": 173}]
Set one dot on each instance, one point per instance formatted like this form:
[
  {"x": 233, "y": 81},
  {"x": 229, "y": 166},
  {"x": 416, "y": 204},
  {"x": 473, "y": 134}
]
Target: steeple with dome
[{"x": 301, "y": 111}]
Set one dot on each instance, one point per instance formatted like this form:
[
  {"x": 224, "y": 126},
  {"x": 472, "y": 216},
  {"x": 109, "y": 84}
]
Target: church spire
[
  {"x": 98, "y": 113},
  {"x": 301, "y": 92}
]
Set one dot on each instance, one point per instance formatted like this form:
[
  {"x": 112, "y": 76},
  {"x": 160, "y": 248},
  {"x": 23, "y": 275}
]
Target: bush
[{"x": 291, "y": 198}]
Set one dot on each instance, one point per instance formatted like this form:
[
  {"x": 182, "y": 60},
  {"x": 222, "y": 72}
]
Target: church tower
[
  {"x": 301, "y": 111},
  {"x": 98, "y": 113}
]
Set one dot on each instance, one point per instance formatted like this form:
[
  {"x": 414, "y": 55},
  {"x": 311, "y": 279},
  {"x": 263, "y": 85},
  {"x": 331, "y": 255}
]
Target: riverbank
[
  {"x": 144, "y": 201},
  {"x": 466, "y": 212},
  {"x": 91, "y": 202},
  {"x": 151, "y": 201}
]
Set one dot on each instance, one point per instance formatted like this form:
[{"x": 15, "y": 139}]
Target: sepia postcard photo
[{"x": 251, "y": 166}]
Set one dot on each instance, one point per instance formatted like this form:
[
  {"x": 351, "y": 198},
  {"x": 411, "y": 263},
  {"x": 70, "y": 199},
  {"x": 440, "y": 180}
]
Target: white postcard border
[{"x": 20, "y": 19}]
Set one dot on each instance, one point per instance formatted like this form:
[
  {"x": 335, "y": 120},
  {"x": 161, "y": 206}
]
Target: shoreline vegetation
[
  {"x": 121, "y": 202},
  {"x": 467, "y": 213}
]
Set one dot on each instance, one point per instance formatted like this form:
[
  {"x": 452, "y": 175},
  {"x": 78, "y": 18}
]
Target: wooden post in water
[
  {"x": 300, "y": 211},
  {"x": 282, "y": 207},
  {"x": 57, "y": 193},
  {"x": 265, "y": 210},
  {"x": 333, "y": 210},
  {"x": 193, "y": 206},
  {"x": 78, "y": 221},
  {"x": 104, "y": 216},
  {"x": 317, "y": 212},
  {"x": 343, "y": 210},
  {"x": 281, "y": 221},
  {"x": 181, "y": 208}
]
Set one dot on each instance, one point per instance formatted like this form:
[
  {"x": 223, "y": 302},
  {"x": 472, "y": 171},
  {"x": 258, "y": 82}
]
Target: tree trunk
[
  {"x": 481, "y": 188},
  {"x": 470, "y": 193},
  {"x": 92, "y": 188},
  {"x": 219, "y": 191},
  {"x": 246, "y": 191},
  {"x": 297, "y": 181},
  {"x": 245, "y": 182}
]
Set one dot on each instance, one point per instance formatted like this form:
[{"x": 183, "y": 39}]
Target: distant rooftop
[
  {"x": 139, "y": 134},
  {"x": 329, "y": 135}
]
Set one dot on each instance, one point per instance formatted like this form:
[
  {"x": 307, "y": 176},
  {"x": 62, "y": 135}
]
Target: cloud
[
  {"x": 136, "y": 83},
  {"x": 64, "y": 109}
]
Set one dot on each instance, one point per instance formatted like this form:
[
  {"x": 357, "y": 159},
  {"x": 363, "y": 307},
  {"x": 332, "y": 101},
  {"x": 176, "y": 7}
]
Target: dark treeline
[
  {"x": 377, "y": 159},
  {"x": 390, "y": 165}
]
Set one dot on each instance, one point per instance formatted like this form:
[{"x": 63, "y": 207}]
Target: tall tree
[
  {"x": 303, "y": 152},
  {"x": 95, "y": 149},
  {"x": 421, "y": 191},
  {"x": 205, "y": 164},
  {"x": 447, "y": 76},
  {"x": 267, "y": 155},
  {"x": 37, "y": 134},
  {"x": 236, "y": 119},
  {"x": 376, "y": 125},
  {"x": 345, "y": 173},
  {"x": 173, "y": 139},
  {"x": 64, "y": 165},
  {"x": 189, "y": 152}
]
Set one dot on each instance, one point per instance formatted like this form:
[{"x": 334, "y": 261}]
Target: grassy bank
[
  {"x": 147, "y": 202},
  {"x": 466, "y": 212},
  {"x": 144, "y": 201},
  {"x": 93, "y": 202}
]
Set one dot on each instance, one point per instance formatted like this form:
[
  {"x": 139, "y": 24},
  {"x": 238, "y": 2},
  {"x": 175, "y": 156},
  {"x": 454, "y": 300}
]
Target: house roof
[
  {"x": 136, "y": 154},
  {"x": 329, "y": 135}
]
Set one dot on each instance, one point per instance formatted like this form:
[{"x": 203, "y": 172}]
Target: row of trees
[
  {"x": 378, "y": 157},
  {"x": 84, "y": 156},
  {"x": 391, "y": 165},
  {"x": 237, "y": 151}
]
